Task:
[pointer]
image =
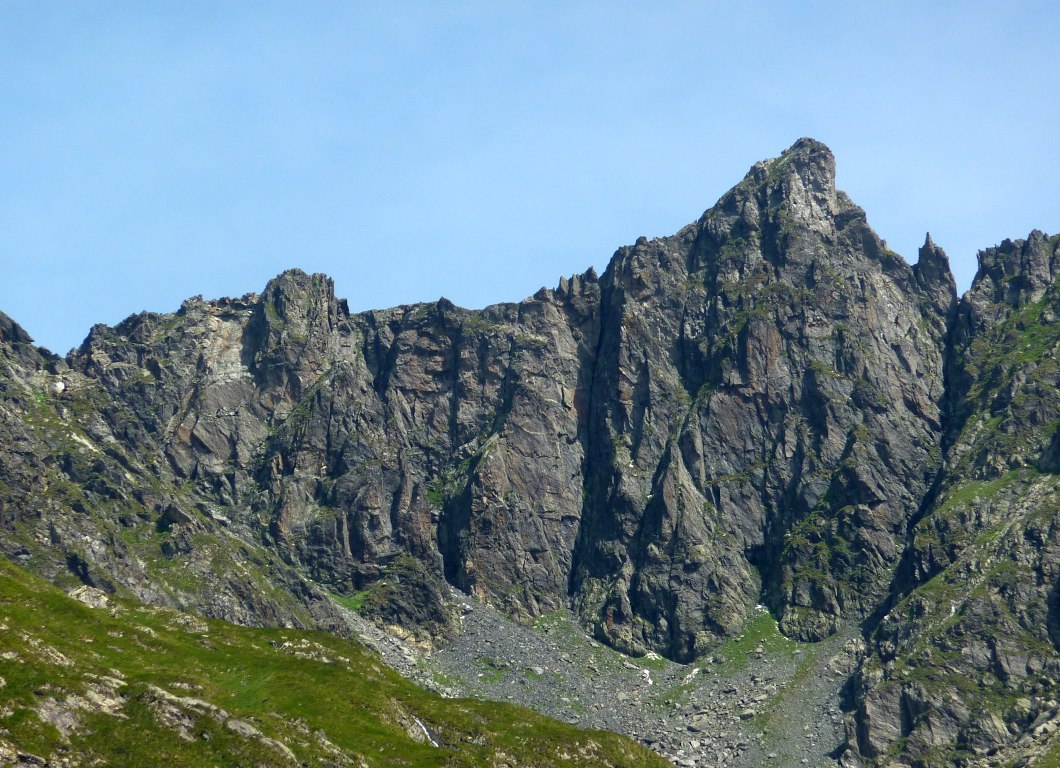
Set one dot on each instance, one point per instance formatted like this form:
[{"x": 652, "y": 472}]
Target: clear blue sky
[{"x": 153, "y": 151}]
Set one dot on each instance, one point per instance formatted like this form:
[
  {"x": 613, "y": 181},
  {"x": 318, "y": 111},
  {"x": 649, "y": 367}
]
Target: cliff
[{"x": 768, "y": 407}]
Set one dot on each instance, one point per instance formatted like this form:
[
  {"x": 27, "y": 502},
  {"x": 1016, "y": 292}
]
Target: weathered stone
[{"x": 769, "y": 406}]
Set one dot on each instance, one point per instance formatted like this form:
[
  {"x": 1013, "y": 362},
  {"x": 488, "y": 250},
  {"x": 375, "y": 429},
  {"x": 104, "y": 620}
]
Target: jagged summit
[
  {"x": 11, "y": 332},
  {"x": 804, "y": 153},
  {"x": 808, "y": 154},
  {"x": 767, "y": 408},
  {"x": 810, "y": 160},
  {"x": 933, "y": 275},
  {"x": 1018, "y": 271}
]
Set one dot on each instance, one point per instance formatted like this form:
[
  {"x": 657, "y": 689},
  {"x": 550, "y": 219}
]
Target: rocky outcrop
[
  {"x": 965, "y": 661},
  {"x": 87, "y": 494},
  {"x": 766, "y": 416},
  {"x": 768, "y": 407},
  {"x": 747, "y": 410}
]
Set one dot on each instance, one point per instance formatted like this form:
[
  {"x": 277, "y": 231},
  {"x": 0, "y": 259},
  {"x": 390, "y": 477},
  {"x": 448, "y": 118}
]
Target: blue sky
[{"x": 154, "y": 151}]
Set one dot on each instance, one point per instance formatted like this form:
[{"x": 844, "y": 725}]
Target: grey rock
[{"x": 768, "y": 406}]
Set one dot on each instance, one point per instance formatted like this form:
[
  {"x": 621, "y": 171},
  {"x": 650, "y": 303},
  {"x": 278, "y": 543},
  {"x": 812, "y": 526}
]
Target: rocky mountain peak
[
  {"x": 811, "y": 159},
  {"x": 17, "y": 344},
  {"x": 933, "y": 275},
  {"x": 1017, "y": 271},
  {"x": 1012, "y": 275},
  {"x": 768, "y": 408},
  {"x": 802, "y": 182},
  {"x": 790, "y": 194},
  {"x": 296, "y": 289},
  {"x": 11, "y": 332}
]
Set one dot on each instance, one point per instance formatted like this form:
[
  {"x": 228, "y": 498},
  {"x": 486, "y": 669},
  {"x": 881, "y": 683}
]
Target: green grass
[
  {"x": 319, "y": 695},
  {"x": 1028, "y": 336},
  {"x": 650, "y": 661},
  {"x": 1050, "y": 759},
  {"x": 760, "y": 630},
  {"x": 354, "y": 602},
  {"x": 493, "y": 671},
  {"x": 975, "y": 491},
  {"x": 807, "y": 661}
]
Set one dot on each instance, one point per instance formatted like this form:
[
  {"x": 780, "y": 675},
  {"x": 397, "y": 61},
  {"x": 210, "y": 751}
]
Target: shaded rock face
[
  {"x": 767, "y": 407},
  {"x": 765, "y": 416},
  {"x": 746, "y": 411},
  {"x": 965, "y": 661}
]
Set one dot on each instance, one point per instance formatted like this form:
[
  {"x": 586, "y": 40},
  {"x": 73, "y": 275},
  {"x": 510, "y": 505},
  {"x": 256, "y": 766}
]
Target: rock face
[
  {"x": 768, "y": 407},
  {"x": 965, "y": 661},
  {"x": 765, "y": 416}
]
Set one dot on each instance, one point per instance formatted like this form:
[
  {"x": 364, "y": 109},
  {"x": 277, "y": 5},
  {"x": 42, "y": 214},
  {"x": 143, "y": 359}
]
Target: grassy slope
[{"x": 132, "y": 685}]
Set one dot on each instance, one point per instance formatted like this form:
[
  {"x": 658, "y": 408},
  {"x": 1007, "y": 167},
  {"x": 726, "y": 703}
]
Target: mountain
[
  {"x": 769, "y": 407},
  {"x": 965, "y": 658},
  {"x": 106, "y": 682}
]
